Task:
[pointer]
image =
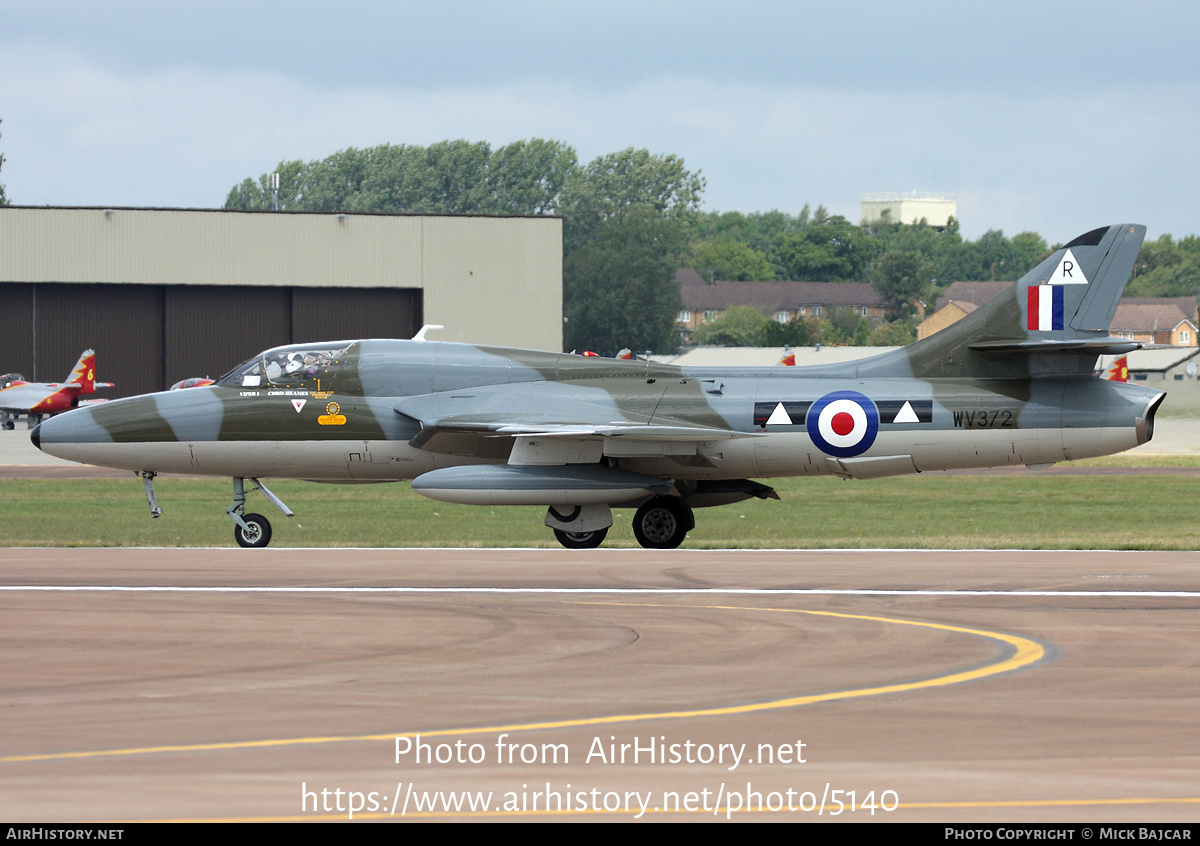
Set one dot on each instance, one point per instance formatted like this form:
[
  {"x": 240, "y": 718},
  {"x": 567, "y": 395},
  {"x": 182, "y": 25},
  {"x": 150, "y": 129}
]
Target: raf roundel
[{"x": 843, "y": 424}]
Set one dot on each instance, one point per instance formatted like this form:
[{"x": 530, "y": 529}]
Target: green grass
[
  {"x": 931, "y": 511},
  {"x": 1138, "y": 459}
]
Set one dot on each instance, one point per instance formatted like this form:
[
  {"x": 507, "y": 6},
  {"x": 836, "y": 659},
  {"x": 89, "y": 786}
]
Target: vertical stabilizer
[
  {"x": 1063, "y": 307},
  {"x": 84, "y": 374}
]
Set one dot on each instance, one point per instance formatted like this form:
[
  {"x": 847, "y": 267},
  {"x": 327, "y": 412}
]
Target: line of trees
[
  {"x": 1166, "y": 268},
  {"x": 746, "y": 326}
]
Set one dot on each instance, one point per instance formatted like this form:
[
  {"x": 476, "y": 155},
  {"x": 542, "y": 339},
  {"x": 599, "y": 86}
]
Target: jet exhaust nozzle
[{"x": 1145, "y": 423}]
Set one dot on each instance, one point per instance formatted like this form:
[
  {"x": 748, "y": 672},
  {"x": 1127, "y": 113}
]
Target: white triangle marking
[
  {"x": 298, "y": 404},
  {"x": 779, "y": 417},
  {"x": 906, "y": 414},
  {"x": 1068, "y": 272}
]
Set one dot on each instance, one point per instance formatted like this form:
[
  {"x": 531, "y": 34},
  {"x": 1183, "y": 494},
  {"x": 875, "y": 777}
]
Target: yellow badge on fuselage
[{"x": 332, "y": 416}]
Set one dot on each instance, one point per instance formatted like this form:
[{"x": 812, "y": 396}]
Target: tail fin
[
  {"x": 84, "y": 374},
  {"x": 1055, "y": 319}
]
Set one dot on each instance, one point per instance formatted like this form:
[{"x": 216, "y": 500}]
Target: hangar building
[{"x": 167, "y": 294}]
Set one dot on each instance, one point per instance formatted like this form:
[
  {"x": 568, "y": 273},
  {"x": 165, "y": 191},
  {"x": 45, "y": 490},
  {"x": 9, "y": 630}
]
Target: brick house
[
  {"x": 1152, "y": 320},
  {"x": 779, "y": 301}
]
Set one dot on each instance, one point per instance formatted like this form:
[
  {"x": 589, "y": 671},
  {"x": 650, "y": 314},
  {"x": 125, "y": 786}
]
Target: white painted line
[{"x": 1139, "y": 594}]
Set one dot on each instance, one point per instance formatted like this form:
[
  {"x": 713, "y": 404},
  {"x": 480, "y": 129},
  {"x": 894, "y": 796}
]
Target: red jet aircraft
[{"x": 38, "y": 399}]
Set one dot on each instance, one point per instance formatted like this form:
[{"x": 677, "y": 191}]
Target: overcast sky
[{"x": 1043, "y": 116}]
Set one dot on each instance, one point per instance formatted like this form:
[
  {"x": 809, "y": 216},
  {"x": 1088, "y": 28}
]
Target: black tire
[
  {"x": 259, "y": 534},
  {"x": 581, "y": 540},
  {"x": 662, "y": 523}
]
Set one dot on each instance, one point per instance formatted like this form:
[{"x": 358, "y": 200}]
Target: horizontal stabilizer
[{"x": 1014, "y": 346}]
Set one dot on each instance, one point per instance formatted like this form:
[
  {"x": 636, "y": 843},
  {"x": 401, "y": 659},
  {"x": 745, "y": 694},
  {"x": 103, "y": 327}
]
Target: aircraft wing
[
  {"x": 20, "y": 399},
  {"x": 559, "y": 413},
  {"x": 637, "y": 431}
]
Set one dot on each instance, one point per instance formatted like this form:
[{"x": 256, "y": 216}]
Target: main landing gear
[{"x": 662, "y": 522}]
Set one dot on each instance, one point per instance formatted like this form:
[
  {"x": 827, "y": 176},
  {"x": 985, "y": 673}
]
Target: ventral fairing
[{"x": 1012, "y": 383}]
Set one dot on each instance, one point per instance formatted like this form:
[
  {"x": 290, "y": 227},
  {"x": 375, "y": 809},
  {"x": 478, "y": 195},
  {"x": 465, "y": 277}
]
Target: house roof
[
  {"x": 1186, "y": 304},
  {"x": 1146, "y": 317},
  {"x": 779, "y": 295},
  {"x": 976, "y": 293}
]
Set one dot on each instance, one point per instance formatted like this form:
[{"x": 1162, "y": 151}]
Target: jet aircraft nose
[{"x": 63, "y": 434}]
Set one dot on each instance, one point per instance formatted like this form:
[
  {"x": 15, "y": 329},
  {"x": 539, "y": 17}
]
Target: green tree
[
  {"x": 615, "y": 182},
  {"x": 1166, "y": 268},
  {"x": 738, "y": 326},
  {"x": 1029, "y": 248},
  {"x": 449, "y": 177},
  {"x": 846, "y": 327},
  {"x": 528, "y": 177},
  {"x": 832, "y": 250},
  {"x": 898, "y": 333},
  {"x": 936, "y": 246},
  {"x": 727, "y": 259},
  {"x": 763, "y": 232},
  {"x": 794, "y": 333},
  {"x": 902, "y": 276},
  {"x": 619, "y": 287}
]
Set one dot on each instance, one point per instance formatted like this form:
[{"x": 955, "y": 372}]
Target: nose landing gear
[{"x": 252, "y": 531}]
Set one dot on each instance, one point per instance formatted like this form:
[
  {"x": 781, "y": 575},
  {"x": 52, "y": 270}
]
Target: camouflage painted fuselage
[
  {"x": 393, "y": 410},
  {"x": 1012, "y": 383}
]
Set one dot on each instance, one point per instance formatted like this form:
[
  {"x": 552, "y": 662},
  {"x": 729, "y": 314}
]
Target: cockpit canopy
[
  {"x": 311, "y": 368},
  {"x": 9, "y": 378}
]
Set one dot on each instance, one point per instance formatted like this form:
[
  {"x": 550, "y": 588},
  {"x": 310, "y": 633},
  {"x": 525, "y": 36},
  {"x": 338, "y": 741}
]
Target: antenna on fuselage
[{"x": 420, "y": 336}]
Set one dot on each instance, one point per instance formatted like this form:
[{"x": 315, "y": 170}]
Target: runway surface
[{"x": 256, "y": 684}]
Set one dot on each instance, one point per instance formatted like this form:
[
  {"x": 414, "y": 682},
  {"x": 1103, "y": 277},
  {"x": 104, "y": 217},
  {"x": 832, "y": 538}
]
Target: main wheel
[
  {"x": 258, "y": 534},
  {"x": 581, "y": 540},
  {"x": 662, "y": 523}
]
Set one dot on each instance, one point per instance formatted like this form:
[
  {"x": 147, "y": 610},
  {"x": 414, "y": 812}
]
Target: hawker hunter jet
[
  {"x": 1012, "y": 383},
  {"x": 43, "y": 398}
]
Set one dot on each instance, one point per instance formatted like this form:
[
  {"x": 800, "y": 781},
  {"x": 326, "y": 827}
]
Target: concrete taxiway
[{"x": 272, "y": 684}]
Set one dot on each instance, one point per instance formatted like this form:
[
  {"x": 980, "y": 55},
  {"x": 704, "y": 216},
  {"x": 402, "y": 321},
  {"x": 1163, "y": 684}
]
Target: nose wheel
[
  {"x": 255, "y": 533},
  {"x": 252, "y": 531}
]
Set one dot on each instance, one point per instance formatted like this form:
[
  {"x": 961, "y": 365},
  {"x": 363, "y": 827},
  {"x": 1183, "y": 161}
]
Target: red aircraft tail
[{"x": 84, "y": 374}]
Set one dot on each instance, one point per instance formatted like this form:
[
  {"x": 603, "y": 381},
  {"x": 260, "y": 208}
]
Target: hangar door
[{"x": 148, "y": 337}]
